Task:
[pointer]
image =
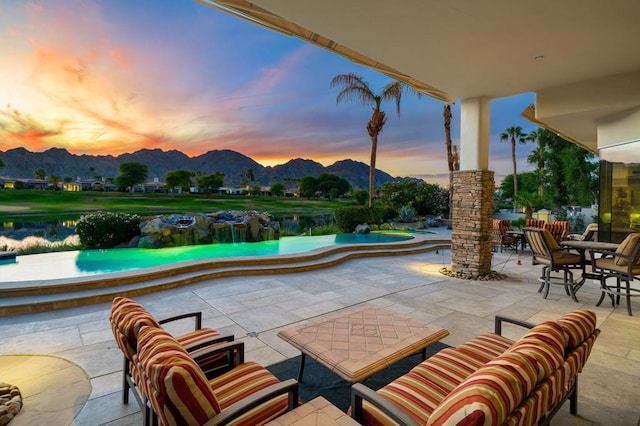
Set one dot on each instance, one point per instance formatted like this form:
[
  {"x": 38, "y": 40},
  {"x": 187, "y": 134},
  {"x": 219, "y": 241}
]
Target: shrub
[
  {"x": 347, "y": 218},
  {"x": 407, "y": 214},
  {"x": 360, "y": 196},
  {"x": 106, "y": 230},
  {"x": 518, "y": 223}
]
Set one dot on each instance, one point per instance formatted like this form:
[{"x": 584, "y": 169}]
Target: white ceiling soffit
[{"x": 458, "y": 49}]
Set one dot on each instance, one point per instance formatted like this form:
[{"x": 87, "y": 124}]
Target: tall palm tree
[
  {"x": 452, "y": 154},
  {"x": 354, "y": 87},
  {"x": 538, "y": 156},
  {"x": 514, "y": 134}
]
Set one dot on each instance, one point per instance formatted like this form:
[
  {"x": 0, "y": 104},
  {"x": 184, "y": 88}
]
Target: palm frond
[{"x": 353, "y": 87}]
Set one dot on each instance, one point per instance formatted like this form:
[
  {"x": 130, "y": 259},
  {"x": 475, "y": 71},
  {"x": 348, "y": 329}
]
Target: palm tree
[
  {"x": 40, "y": 173},
  {"x": 514, "y": 134},
  {"x": 452, "y": 154},
  {"x": 354, "y": 87},
  {"x": 538, "y": 156}
]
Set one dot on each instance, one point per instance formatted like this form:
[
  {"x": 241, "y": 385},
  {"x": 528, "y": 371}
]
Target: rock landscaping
[
  {"x": 210, "y": 228},
  {"x": 10, "y": 402},
  {"x": 490, "y": 276}
]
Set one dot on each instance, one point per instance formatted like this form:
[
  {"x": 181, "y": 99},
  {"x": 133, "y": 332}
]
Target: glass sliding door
[{"x": 619, "y": 209}]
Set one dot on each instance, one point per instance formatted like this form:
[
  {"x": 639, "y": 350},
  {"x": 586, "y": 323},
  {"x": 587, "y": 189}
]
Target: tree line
[{"x": 564, "y": 175}]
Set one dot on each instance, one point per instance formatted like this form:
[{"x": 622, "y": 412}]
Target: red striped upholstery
[
  {"x": 538, "y": 402},
  {"x": 545, "y": 343},
  {"x": 535, "y": 223},
  {"x": 177, "y": 388},
  {"x": 242, "y": 381},
  {"x": 427, "y": 384},
  {"x": 559, "y": 230},
  {"x": 181, "y": 395},
  {"x": 489, "y": 395},
  {"x": 491, "y": 380},
  {"x": 129, "y": 317},
  {"x": 577, "y": 326}
]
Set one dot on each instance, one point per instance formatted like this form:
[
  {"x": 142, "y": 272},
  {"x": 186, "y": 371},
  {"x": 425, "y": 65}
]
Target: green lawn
[{"x": 21, "y": 204}]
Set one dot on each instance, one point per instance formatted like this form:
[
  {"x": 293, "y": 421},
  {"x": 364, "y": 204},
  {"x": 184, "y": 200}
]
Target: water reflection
[
  {"x": 51, "y": 230},
  {"x": 61, "y": 229}
]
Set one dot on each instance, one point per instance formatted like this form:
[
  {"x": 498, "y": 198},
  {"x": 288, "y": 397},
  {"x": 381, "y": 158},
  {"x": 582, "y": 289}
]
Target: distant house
[
  {"x": 230, "y": 190},
  {"x": 22, "y": 183},
  {"x": 154, "y": 186},
  {"x": 71, "y": 186}
]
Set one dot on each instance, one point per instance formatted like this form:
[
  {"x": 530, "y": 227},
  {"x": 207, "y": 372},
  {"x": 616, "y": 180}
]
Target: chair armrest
[
  {"x": 212, "y": 341},
  {"x": 289, "y": 386},
  {"x": 196, "y": 315},
  {"x": 230, "y": 348},
  {"x": 500, "y": 319},
  {"x": 360, "y": 392}
]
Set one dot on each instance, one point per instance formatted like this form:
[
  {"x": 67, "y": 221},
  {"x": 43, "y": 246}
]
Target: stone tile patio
[{"x": 255, "y": 308}]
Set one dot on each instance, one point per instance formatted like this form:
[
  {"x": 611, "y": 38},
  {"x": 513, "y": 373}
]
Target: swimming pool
[{"x": 70, "y": 264}]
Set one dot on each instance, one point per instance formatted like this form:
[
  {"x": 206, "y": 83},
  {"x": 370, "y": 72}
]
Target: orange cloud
[{"x": 17, "y": 129}]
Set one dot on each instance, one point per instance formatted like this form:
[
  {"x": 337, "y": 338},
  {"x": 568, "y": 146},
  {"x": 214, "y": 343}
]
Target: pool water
[{"x": 71, "y": 264}]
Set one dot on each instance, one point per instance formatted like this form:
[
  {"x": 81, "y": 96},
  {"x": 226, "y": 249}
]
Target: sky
[{"x": 114, "y": 76}]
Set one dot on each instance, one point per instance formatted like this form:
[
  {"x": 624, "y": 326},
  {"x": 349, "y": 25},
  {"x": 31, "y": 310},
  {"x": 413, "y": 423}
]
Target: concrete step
[{"x": 28, "y": 297}]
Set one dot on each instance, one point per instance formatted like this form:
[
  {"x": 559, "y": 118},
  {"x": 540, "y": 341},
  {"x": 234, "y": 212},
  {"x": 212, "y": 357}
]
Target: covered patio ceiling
[{"x": 580, "y": 57}]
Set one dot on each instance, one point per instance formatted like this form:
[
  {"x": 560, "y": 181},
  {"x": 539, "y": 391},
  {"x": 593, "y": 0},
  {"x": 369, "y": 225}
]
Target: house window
[{"x": 619, "y": 209}]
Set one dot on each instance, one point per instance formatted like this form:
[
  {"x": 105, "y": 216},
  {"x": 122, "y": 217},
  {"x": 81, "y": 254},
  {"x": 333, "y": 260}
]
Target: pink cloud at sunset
[{"x": 100, "y": 77}]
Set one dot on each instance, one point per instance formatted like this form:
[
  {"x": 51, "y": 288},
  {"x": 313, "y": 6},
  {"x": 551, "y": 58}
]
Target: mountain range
[{"x": 19, "y": 162}]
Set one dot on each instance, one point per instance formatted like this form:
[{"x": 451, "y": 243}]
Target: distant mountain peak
[{"x": 19, "y": 162}]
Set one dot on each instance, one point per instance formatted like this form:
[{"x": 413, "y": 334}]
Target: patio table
[
  {"x": 521, "y": 239},
  {"x": 582, "y": 247},
  {"x": 355, "y": 345}
]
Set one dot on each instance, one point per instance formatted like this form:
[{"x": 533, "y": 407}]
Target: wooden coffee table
[{"x": 355, "y": 345}]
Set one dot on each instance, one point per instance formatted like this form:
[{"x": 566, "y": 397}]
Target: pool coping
[{"x": 42, "y": 295}]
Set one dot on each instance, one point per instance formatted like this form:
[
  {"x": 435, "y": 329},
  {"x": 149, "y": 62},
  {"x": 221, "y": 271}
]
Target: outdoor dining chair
[
  {"x": 534, "y": 223},
  {"x": 547, "y": 252},
  {"x": 500, "y": 236},
  {"x": 623, "y": 265},
  {"x": 558, "y": 229}
]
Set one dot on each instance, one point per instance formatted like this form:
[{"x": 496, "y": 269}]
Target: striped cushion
[
  {"x": 535, "y": 223},
  {"x": 488, "y": 396},
  {"x": 127, "y": 318},
  {"x": 545, "y": 343},
  {"x": 414, "y": 393},
  {"x": 178, "y": 389},
  {"x": 426, "y": 385},
  {"x": 577, "y": 327},
  {"x": 243, "y": 381},
  {"x": 537, "y": 405},
  {"x": 190, "y": 340}
]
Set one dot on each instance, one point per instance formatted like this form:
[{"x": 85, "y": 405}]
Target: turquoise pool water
[{"x": 91, "y": 262}]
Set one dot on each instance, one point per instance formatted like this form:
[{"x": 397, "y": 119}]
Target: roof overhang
[{"x": 460, "y": 49}]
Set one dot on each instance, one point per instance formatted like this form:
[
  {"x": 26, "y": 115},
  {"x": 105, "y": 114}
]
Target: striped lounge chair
[
  {"x": 559, "y": 229},
  {"x": 128, "y": 317},
  {"x": 490, "y": 380},
  {"x": 181, "y": 395}
]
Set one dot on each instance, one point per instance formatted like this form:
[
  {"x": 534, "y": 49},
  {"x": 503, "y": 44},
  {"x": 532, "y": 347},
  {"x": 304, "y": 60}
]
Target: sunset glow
[{"x": 110, "y": 77}]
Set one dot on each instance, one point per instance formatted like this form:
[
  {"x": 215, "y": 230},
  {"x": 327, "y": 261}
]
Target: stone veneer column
[{"x": 472, "y": 212}]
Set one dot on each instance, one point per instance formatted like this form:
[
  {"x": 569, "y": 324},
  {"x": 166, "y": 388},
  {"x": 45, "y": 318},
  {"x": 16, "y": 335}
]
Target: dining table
[{"x": 582, "y": 247}]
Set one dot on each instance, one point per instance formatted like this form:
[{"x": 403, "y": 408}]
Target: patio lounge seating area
[{"x": 255, "y": 308}]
